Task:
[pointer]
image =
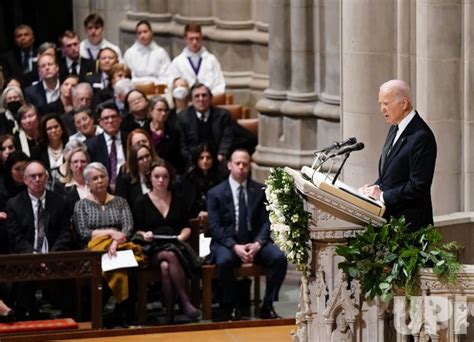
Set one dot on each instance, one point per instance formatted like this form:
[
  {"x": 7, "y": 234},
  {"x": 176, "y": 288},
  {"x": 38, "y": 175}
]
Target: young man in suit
[
  {"x": 109, "y": 147},
  {"x": 37, "y": 222},
  {"x": 240, "y": 230},
  {"x": 72, "y": 63},
  {"x": 408, "y": 159}
]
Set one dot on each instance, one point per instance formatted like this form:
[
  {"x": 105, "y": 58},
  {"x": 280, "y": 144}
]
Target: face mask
[
  {"x": 180, "y": 93},
  {"x": 14, "y": 106}
]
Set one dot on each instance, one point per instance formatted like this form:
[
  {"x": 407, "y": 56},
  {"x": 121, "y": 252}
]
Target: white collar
[
  {"x": 234, "y": 185},
  {"x": 203, "y": 116},
  {"x": 56, "y": 88},
  {"x": 34, "y": 198},
  {"x": 405, "y": 121}
]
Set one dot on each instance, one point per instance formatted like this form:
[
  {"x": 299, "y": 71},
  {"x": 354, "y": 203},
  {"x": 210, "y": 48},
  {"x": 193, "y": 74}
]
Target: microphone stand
[{"x": 346, "y": 155}]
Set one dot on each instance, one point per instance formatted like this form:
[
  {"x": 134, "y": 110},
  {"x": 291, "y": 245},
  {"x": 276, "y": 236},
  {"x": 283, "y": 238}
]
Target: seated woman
[
  {"x": 28, "y": 134},
  {"x": 203, "y": 176},
  {"x": 165, "y": 134},
  {"x": 132, "y": 179},
  {"x": 13, "y": 176},
  {"x": 12, "y": 100},
  {"x": 162, "y": 212},
  {"x": 104, "y": 223},
  {"x": 85, "y": 126},
  {"x": 50, "y": 150}
]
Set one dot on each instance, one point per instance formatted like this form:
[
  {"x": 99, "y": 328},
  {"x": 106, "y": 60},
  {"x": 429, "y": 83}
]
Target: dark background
[{"x": 48, "y": 18}]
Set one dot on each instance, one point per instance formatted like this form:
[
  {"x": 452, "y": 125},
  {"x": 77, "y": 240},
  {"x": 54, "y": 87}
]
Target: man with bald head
[
  {"x": 37, "y": 222},
  {"x": 407, "y": 163}
]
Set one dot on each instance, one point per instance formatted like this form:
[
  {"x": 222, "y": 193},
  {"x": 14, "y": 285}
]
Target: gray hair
[
  {"x": 72, "y": 145},
  {"x": 123, "y": 86},
  {"x": 81, "y": 86},
  {"x": 400, "y": 88},
  {"x": 45, "y": 46},
  {"x": 95, "y": 166},
  {"x": 14, "y": 89}
]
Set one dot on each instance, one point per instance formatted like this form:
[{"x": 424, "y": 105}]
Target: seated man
[
  {"x": 240, "y": 230},
  {"x": 37, "y": 222}
]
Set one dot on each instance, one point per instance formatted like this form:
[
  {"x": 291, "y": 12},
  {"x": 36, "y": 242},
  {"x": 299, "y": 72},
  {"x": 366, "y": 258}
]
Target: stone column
[
  {"x": 438, "y": 88},
  {"x": 368, "y": 42},
  {"x": 468, "y": 106}
]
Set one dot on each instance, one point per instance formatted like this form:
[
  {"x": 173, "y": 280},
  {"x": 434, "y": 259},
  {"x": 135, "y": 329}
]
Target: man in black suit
[
  {"x": 109, "y": 147},
  {"x": 240, "y": 230},
  {"x": 37, "y": 222},
  {"x": 201, "y": 123},
  {"x": 408, "y": 159},
  {"x": 72, "y": 63},
  {"x": 47, "y": 90},
  {"x": 20, "y": 62}
]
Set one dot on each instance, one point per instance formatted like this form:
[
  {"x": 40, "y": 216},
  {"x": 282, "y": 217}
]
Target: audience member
[
  {"x": 13, "y": 174},
  {"x": 20, "y": 62},
  {"x": 81, "y": 99},
  {"x": 202, "y": 123},
  {"x": 118, "y": 72},
  {"x": 7, "y": 146},
  {"x": 165, "y": 134},
  {"x": 47, "y": 90},
  {"x": 85, "y": 126},
  {"x": 132, "y": 179},
  {"x": 148, "y": 61},
  {"x": 180, "y": 94},
  {"x": 136, "y": 105},
  {"x": 162, "y": 212},
  {"x": 108, "y": 147},
  {"x": 48, "y": 48},
  {"x": 28, "y": 134},
  {"x": 50, "y": 149},
  {"x": 240, "y": 230},
  {"x": 101, "y": 78},
  {"x": 196, "y": 64},
  {"x": 64, "y": 102},
  {"x": 12, "y": 100},
  {"x": 105, "y": 223},
  {"x": 95, "y": 41},
  {"x": 37, "y": 221},
  {"x": 203, "y": 175},
  {"x": 71, "y": 63},
  {"x": 121, "y": 89}
]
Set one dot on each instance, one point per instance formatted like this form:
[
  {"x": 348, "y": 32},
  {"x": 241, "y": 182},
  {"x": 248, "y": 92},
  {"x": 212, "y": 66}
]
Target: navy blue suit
[
  {"x": 222, "y": 227},
  {"x": 407, "y": 174},
  {"x": 36, "y": 95},
  {"x": 97, "y": 149}
]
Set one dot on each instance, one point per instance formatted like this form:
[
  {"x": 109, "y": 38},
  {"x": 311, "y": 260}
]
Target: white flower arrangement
[{"x": 289, "y": 220}]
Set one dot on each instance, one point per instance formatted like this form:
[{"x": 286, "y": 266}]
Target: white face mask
[{"x": 180, "y": 92}]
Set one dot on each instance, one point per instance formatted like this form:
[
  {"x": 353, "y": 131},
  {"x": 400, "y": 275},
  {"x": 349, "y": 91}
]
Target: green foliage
[{"x": 390, "y": 257}]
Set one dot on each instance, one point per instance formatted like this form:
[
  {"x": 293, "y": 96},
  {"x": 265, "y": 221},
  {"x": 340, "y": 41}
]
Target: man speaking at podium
[{"x": 407, "y": 163}]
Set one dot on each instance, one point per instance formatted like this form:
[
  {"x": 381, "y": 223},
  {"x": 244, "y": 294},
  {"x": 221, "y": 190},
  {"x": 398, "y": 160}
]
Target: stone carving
[{"x": 342, "y": 332}]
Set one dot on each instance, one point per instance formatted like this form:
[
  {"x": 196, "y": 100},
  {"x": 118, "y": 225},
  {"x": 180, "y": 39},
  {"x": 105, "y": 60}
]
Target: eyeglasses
[{"x": 146, "y": 156}]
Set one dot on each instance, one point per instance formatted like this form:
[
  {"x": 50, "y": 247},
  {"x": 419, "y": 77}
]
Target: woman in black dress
[
  {"x": 13, "y": 177},
  {"x": 162, "y": 212}
]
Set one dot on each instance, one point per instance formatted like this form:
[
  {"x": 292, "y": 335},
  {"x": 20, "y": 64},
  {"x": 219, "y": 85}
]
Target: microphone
[
  {"x": 348, "y": 149},
  {"x": 338, "y": 144}
]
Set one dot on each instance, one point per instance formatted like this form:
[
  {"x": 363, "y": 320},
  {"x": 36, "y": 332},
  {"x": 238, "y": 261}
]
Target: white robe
[
  {"x": 86, "y": 45},
  {"x": 148, "y": 63},
  {"x": 210, "y": 72}
]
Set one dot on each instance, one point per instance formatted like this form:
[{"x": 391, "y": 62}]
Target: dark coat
[{"x": 407, "y": 174}]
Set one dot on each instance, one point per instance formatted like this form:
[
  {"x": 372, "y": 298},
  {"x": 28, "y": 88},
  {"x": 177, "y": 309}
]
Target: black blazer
[
  {"x": 21, "y": 226},
  {"x": 12, "y": 67},
  {"x": 221, "y": 214},
  {"x": 97, "y": 148},
  {"x": 36, "y": 95},
  {"x": 221, "y": 130},
  {"x": 126, "y": 189},
  {"x": 87, "y": 68},
  {"x": 408, "y": 173}
]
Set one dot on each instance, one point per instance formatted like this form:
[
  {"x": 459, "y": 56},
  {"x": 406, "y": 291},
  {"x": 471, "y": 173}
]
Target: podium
[{"x": 332, "y": 308}]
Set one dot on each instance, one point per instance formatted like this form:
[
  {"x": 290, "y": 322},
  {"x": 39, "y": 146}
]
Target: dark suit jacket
[
  {"x": 12, "y": 67},
  {"x": 408, "y": 173},
  {"x": 97, "y": 148},
  {"x": 21, "y": 226},
  {"x": 221, "y": 130},
  {"x": 36, "y": 95},
  {"x": 221, "y": 214},
  {"x": 126, "y": 189},
  {"x": 87, "y": 67}
]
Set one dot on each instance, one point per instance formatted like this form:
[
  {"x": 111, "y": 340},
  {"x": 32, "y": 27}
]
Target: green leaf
[{"x": 384, "y": 286}]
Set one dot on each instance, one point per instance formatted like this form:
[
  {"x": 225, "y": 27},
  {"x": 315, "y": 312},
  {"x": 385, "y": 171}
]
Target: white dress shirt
[
  {"x": 88, "y": 50},
  {"x": 34, "y": 204},
  {"x": 234, "y": 187},
  {"x": 118, "y": 147},
  {"x": 52, "y": 95}
]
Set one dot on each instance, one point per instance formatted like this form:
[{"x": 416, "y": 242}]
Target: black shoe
[
  {"x": 235, "y": 315},
  {"x": 9, "y": 317},
  {"x": 268, "y": 312},
  {"x": 194, "y": 316}
]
